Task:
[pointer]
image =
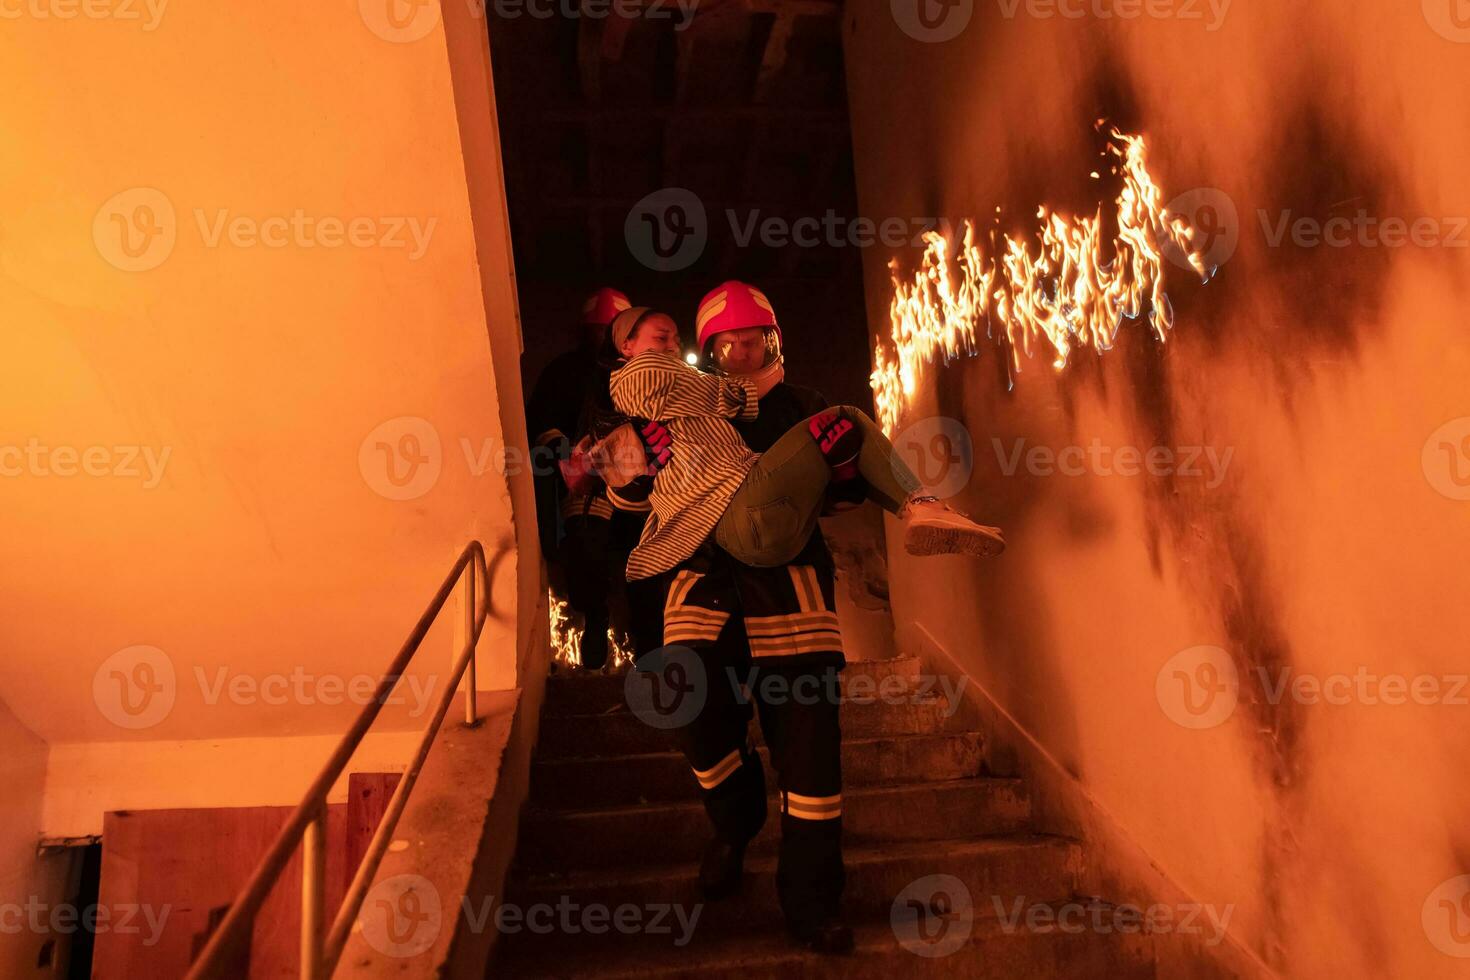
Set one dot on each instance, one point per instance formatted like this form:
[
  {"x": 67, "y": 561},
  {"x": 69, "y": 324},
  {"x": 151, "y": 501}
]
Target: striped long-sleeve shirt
[{"x": 709, "y": 461}]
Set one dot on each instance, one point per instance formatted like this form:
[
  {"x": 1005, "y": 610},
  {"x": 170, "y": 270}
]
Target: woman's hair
[{"x": 625, "y": 325}]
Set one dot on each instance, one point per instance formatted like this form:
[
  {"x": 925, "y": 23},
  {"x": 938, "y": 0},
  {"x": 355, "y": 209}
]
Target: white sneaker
[{"x": 931, "y": 528}]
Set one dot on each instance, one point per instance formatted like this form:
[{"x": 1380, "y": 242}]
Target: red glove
[
  {"x": 839, "y": 441},
  {"x": 834, "y": 434},
  {"x": 577, "y": 471},
  {"x": 659, "y": 444}
]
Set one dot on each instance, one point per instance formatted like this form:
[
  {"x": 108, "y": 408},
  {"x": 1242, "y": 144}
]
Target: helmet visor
[{"x": 743, "y": 351}]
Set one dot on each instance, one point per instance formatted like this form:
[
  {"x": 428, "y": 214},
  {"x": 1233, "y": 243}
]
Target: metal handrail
[{"x": 307, "y": 825}]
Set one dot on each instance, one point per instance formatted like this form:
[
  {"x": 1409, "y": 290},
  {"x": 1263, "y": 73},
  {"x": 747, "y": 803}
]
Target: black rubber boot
[
  {"x": 829, "y": 935},
  {"x": 721, "y": 870}
]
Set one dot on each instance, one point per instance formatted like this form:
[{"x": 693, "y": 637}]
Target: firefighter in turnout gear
[
  {"x": 600, "y": 547},
  {"x": 579, "y": 530},
  {"x": 774, "y": 633}
]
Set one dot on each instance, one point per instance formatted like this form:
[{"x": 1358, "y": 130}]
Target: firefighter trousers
[
  {"x": 768, "y": 644},
  {"x": 593, "y": 556}
]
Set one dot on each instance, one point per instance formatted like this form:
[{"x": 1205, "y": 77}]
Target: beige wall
[
  {"x": 86, "y": 780},
  {"x": 203, "y": 382},
  {"x": 1327, "y": 547}
]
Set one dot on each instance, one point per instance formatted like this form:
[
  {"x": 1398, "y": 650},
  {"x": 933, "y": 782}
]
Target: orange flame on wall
[{"x": 1058, "y": 288}]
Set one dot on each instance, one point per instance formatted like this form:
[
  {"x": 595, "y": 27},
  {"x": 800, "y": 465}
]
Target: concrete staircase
[{"x": 614, "y": 820}]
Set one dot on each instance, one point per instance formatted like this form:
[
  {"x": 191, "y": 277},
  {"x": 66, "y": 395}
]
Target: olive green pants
[{"x": 773, "y": 514}]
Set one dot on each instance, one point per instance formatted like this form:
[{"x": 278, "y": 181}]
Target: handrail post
[
  {"x": 313, "y": 895},
  {"x": 471, "y": 572}
]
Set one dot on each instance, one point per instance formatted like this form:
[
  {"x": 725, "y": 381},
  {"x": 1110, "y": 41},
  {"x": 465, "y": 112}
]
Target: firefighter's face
[
  {"x": 741, "y": 351},
  {"x": 657, "y": 332}
]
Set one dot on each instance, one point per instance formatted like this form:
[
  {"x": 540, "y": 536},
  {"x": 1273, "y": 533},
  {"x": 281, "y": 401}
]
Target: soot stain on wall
[
  {"x": 1237, "y": 568},
  {"x": 1327, "y": 295},
  {"x": 1223, "y": 555}
]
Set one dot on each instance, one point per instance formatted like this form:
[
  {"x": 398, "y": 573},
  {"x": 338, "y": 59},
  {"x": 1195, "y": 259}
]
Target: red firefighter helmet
[
  {"x": 733, "y": 306},
  {"x": 603, "y": 306}
]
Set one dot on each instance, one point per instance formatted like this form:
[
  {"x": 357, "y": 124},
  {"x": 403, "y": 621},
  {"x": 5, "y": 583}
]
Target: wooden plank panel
[
  {"x": 178, "y": 866},
  {"x": 367, "y": 799}
]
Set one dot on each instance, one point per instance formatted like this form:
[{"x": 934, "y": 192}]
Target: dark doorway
[
  {"x": 86, "y": 892},
  {"x": 616, "y": 127}
]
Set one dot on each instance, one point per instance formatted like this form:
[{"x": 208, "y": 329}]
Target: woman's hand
[{"x": 577, "y": 470}]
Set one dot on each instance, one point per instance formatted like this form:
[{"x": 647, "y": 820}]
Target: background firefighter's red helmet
[
  {"x": 603, "y": 306},
  {"x": 736, "y": 306}
]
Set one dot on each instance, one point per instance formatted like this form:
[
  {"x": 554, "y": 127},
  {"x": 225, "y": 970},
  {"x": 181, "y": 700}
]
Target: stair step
[
  {"x": 1040, "y": 868},
  {"x": 905, "y": 812},
  {"x": 621, "y": 732},
  {"x": 582, "y": 693},
  {"x": 665, "y": 776},
  {"x": 990, "y": 950}
]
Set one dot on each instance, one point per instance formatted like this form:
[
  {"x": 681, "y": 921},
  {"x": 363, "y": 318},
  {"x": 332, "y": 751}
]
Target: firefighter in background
[
  {"x": 748, "y": 624},
  {"x": 595, "y": 549},
  {"x": 575, "y": 521}
]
